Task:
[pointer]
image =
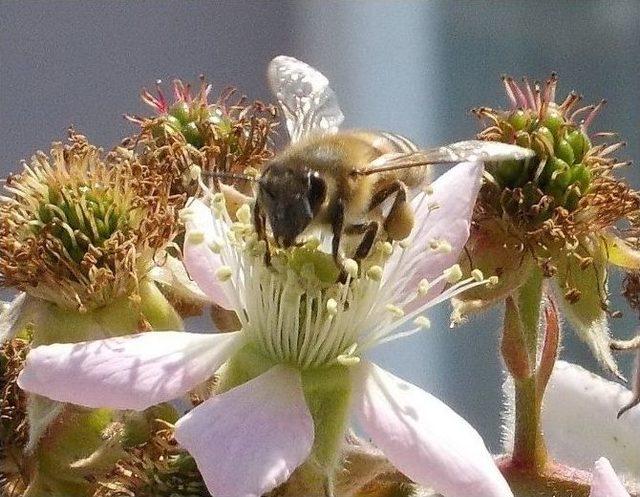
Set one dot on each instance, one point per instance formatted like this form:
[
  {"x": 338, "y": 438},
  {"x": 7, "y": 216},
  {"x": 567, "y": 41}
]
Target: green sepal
[
  {"x": 512, "y": 345},
  {"x": 138, "y": 426},
  {"x": 79, "y": 444},
  {"x": 41, "y": 412},
  {"x": 328, "y": 393},
  {"x": 620, "y": 253},
  {"x": 494, "y": 252},
  {"x": 243, "y": 366},
  {"x": 586, "y": 313},
  {"x": 529, "y": 297},
  {"x": 121, "y": 317},
  {"x": 69, "y": 443},
  {"x": 157, "y": 310}
]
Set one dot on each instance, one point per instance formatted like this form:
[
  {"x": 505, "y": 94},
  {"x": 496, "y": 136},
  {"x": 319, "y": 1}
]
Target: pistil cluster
[
  {"x": 568, "y": 190},
  {"x": 229, "y": 135}
]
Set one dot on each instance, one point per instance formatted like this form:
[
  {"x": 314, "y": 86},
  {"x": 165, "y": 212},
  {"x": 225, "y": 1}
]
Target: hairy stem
[{"x": 529, "y": 449}]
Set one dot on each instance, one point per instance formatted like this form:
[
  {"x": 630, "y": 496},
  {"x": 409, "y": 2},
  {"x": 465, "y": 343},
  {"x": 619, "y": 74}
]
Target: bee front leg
[
  {"x": 260, "y": 225},
  {"x": 369, "y": 231},
  {"x": 337, "y": 226},
  {"x": 399, "y": 221}
]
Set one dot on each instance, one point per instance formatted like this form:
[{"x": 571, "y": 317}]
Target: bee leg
[
  {"x": 260, "y": 225},
  {"x": 337, "y": 226},
  {"x": 370, "y": 232},
  {"x": 399, "y": 221}
]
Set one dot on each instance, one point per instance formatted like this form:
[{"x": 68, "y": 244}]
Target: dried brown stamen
[{"x": 79, "y": 231}]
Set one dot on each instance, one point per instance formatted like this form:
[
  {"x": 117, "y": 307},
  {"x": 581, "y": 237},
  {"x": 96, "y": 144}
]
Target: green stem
[{"x": 529, "y": 449}]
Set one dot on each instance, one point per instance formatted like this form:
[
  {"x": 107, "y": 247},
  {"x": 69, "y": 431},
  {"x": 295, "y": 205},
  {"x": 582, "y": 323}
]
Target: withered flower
[
  {"x": 562, "y": 215},
  {"x": 79, "y": 233},
  {"x": 229, "y": 135}
]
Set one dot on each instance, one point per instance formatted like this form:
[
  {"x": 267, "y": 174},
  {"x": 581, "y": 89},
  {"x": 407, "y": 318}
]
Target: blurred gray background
[{"x": 411, "y": 67}]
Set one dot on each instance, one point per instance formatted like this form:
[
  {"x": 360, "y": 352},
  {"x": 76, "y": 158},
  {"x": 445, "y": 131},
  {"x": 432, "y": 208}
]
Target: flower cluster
[
  {"x": 99, "y": 352},
  {"x": 297, "y": 368}
]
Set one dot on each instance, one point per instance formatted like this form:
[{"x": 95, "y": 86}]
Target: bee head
[{"x": 290, "y": 197}]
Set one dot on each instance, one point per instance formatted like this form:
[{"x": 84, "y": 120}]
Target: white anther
[
  {"x": 224, "y": 273},
  {"x": 348, "y": 360},
  {"x": 215, "y": 247},
  {"x": 423, "y": 322},
  {"x": 218, "y": 202},
  {"x": 195, "y": 237},
  {"x": 404, "y": 243},
  {"x": 453, "y": 274},
  {"x": 423, "y": 287},
  {"x": 395, "y": 310},
  {"x": 386, "y": 248},
  {"x": 440, "y": 246},
  {"x": 492, "y": 281},
  {"x": 375, "y": 273},
  {"x": 186, "y": 214},
  {"x": 477, "y": 275},
  {"x": 244, "y": 214},
  {"x": 351, "y": 267}
]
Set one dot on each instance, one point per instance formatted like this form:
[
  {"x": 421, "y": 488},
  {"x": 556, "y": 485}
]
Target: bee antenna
[{"x": 226, "y": 175}]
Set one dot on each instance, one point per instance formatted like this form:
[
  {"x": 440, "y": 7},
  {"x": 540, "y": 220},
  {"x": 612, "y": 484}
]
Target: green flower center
[
  {"x": 190, "y": 120},
  {"x": 558, "y": 172},
  {"x": 80, "y": 216}
]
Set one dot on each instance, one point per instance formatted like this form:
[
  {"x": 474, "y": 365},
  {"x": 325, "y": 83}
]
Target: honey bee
[{"x": 340, "y": 180}]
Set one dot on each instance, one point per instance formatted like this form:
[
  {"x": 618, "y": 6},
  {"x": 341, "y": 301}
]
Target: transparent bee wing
[
  {"x": 308, "y": 103},
  {"x": 470, "y": 150}
]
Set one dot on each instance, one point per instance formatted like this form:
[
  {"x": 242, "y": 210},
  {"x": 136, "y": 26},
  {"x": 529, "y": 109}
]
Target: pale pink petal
[
  {"x": 423, "y": 437},
  {"x": 173, "y": 274},
  {"x": 575, "y": 401},
  {"x": 442, "y": 216},
  {"x": 605, "y": 482},
  {"x": 250, "y": 439},
  {"x": 202, "y": 262},
  {"x": 132, "y": 372}
]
